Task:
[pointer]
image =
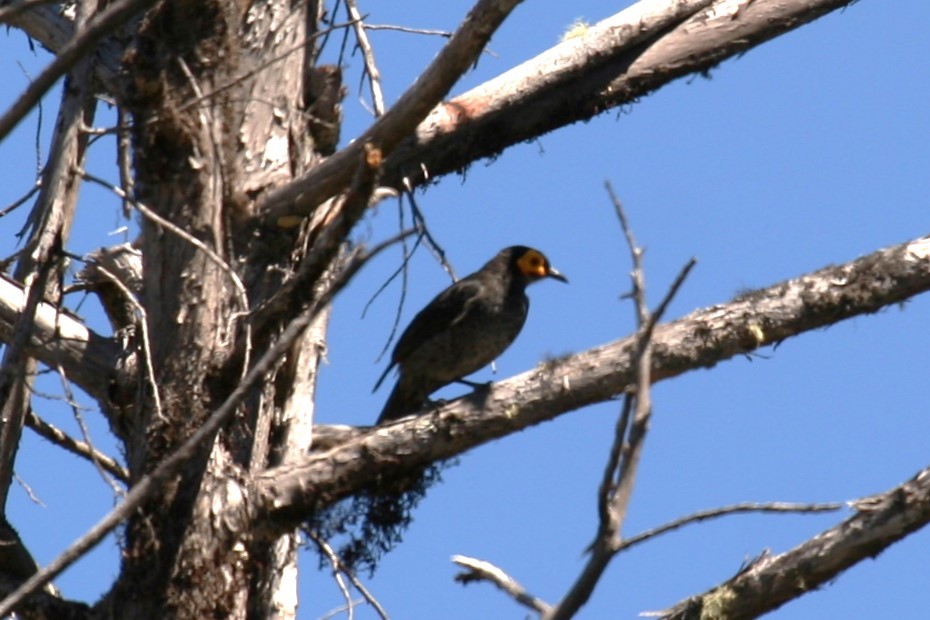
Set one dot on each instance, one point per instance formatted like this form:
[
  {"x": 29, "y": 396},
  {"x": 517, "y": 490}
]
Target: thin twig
[
  {"x": 617, "y": 452},
  {"x": 28, "y": 489},
  {"x": 713, "y": 513},
  {"x": 22, "y": 200},
  {"x": 336, "y": 567},
  {"x": 61, "y": 439},
  {"x": 441, "y": 33},
  {"x": 37, "y": 135},
  {"x": 369, "y": 598},
  {"x": 85, "y": 433},
  {"x": 616, "y": 488},
  {"x": 422, "y": 233},
  {"x": 401, "y": 271},
  {"x": 368, "y": 53},
  {"x": 338, "y": 570},
  {"x": 144, "y": 332},
  {"x": 419, "y": 221}
]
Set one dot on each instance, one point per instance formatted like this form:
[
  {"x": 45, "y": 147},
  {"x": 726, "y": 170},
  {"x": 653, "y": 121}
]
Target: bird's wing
[{"x": 447, "y": 309}]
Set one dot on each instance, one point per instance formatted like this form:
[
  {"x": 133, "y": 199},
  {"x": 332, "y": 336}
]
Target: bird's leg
[{"x": 475, "y": 385}]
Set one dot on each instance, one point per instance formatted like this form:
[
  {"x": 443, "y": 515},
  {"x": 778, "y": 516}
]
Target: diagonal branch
[
  {"x": 368, "y": 53},
  {"x": 286, "y": 205},
  {"x": 480, "y": 570},
  {"x": 770, "y": 581},
  {"x": 100, "y": 27},
  {"x": 616, "y": 62},
  {"x": 702, "y": 339},
  {"x": 82, "y": 449}
]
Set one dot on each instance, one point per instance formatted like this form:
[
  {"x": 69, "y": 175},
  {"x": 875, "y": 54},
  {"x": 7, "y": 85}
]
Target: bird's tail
[{"x": 404, "y": 400}]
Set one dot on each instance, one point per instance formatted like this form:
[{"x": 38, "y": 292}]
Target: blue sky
[{"x": 811, "y": 149}]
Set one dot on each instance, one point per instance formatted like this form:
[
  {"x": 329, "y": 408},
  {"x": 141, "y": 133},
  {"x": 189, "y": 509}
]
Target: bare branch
[
  {"x": 613, "y": 67},
  {"x": 368, "y": 53},
  {"x": 59, "y": 337},
  {"x": 333, "y": 559},
  {"x": 101, "y": 26},
  {"x": 713, "y": 513},
  {"x": 339, "y": 569},
  {"x": 479, "y": 570},
  {"x": 286, "y": 205},
  {"x": 770, "y": 581},
  {"x": 61, "y": 439},
  {"x": 616, "y": 488},
  {"x": 616, "y": 62},
  {"x": 409, "y": 30}
]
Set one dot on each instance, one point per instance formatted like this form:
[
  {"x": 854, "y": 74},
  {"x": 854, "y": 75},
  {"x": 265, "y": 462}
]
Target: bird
[{"x": 464, "y": 328}]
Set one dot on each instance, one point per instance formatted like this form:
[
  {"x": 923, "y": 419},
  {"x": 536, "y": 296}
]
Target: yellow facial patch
[{"x": 533, "y": 264}]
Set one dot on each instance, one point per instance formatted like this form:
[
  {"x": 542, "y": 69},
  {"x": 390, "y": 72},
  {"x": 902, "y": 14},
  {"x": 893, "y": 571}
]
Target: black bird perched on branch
[{"x": 464, "y": 328}]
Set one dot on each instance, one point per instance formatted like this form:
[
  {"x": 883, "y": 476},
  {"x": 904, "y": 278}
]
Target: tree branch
[
  {"x": 616, "y": 488},
  {"x": 702, "y": 339},
  {"x": 53, "y": 30},
  {"x": 616, "y": 62},
  {"x": 480, "y": 570},
  {"x": 70, "y": 53},
  {"x": 82, "y": 449},
  {"x": 286, "y": 205},
  {"x": 713, "y": 513},
  {"x": 770, "y": 581},
  {"x": 60, "y": 338},
  {"x": 45, "y": 605}
]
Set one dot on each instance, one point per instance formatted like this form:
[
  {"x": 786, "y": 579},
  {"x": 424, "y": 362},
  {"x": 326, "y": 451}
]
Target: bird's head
[{"x": 532, "y": 265}]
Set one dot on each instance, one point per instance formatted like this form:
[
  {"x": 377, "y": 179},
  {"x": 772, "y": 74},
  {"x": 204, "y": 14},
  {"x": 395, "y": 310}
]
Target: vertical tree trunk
[{"x": 214, "y": 124}]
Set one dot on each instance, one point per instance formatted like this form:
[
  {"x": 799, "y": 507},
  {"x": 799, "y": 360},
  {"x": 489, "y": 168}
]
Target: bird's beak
[{"x": 557, "y": 275}]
